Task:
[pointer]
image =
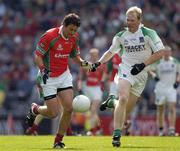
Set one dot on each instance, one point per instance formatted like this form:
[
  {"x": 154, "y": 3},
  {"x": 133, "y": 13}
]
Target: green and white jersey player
[
  {"x": 167, "y": 74},
  {"x": 167, "y": 71},
  {"x": 135, "y": 48},
  {"x": 139, "y": 47}
]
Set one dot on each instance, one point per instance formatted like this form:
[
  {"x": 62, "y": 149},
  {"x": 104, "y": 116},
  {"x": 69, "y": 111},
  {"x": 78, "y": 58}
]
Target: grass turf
[{"x": 85, "y": 143}]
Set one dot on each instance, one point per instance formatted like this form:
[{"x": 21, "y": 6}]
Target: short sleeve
[
  {"x": 154, "y": 41},
  {"x": 43, "y": 45},
  {"x": 115, "y": 46}
]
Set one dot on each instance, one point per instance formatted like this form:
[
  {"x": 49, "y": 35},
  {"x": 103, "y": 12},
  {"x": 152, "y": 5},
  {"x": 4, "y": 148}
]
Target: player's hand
[
  {"x": 137, "y": 68},
  {"x": 45, "y": 75},
  {"x": 94, "y": 66},
  {"x": 176, "y": 84},
  {"x": 85, "y": 65},
  {"x": 156, "y": 79}
]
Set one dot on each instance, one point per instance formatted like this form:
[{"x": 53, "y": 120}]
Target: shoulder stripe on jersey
[
  {"x": 40, "y": 50},
  {"x": 47, "y": 58},
  {"x": 121, "y": 33},
  {"x": 53, "y": 41},
  {"x": 151, "y": 33}
]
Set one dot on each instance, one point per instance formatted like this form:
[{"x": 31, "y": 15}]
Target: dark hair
[{"x": 71, "y": 19}]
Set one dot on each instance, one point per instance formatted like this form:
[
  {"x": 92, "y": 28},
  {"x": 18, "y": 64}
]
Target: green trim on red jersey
[
  {"x": 74, "y": 52},
  {"x": 40, "y": 50},
  {"x": 46, "y": 60}
]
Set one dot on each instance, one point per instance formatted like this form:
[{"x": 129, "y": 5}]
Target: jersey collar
[{"x": 61, "y": 33}]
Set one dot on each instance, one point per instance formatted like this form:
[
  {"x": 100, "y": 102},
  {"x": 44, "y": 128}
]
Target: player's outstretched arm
[
  {"x": 105, "y": 57},
  {"x": 83, "y": 63}
]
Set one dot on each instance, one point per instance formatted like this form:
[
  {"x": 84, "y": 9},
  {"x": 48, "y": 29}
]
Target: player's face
[
  {"x": 167, "y": 54},
  {"x": 94, "y": 56},
  {"x": 69, "y": 30},
  {"x": 132, "y": 21}
]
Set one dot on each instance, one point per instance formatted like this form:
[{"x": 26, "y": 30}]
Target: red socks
[{"x": 58, "y": 138}]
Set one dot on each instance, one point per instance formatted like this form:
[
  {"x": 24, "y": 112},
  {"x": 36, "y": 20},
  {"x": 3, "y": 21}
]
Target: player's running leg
[
  {"x": 33, "y": 112},
  {"x": 108, "y": 103},
  {"x": 172, "y": 118},
  {"x": 66, "y": 96},
  {"x": 160, "y": 119},
  {"x": 32, "y": 130}
]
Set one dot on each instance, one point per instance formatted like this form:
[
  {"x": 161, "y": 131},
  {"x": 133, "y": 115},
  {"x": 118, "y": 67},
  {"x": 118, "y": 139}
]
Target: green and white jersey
[
  {"x": 136, "y": 47},
  {"x": 167, "y": 71}
]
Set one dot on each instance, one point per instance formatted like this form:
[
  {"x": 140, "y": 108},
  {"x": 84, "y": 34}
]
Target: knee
[
  {"x": 172, "y": 110},
  {"x": 123, "y": 100},
  {"x": 53, "y": 114},
  {"x": 68, "y": 110}
]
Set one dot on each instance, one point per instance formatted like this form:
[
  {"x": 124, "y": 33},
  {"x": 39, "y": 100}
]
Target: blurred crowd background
[{"x": 22, "y": 22}]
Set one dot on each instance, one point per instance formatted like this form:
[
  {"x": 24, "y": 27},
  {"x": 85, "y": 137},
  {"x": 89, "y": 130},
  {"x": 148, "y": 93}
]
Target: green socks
[
  {"x": 117, "y": 132},
  {"x": 111, "y": 102}
]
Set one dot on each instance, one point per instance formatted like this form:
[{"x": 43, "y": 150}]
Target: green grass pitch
[{"x": 89, "y": 143}]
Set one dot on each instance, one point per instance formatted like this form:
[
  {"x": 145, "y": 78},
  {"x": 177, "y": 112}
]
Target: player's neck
[
  {"x": 63, "y": 34},
  {"x": 133, "y": 30}
]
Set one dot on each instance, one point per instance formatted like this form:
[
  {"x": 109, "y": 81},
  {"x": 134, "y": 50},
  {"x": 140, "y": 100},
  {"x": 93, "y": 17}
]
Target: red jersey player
[
  {"x": 51, "y": 56},
  {"x": 112, "y": 69},
  {"x": 92, "y": 89}
]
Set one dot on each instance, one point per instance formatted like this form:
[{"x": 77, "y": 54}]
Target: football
[{"x": 81, "y": 103}]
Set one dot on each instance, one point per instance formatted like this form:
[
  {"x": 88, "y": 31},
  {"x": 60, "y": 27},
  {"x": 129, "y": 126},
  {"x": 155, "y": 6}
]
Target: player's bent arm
[
  {"x": 83, "y": 63},
  {"x": 156, "y": 56},
  {"x": 78, "y": 60},
  {"x": 114, "y": 48},
  {"x": 106, "y": 57}
]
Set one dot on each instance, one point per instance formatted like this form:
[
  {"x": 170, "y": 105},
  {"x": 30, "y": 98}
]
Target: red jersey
[
  {"x": 55, "y": 50},
  {"x": 94, "y": 78},
  {"x": 113, "y": 65}
]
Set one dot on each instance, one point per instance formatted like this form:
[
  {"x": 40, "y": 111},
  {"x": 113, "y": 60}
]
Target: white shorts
[
  {"x": 138, "y": 81},
  {"x": 163, "y": 95},
  {"x": 113, "y": 89},
  {"x": 94, "y": 93},
  {"x": 54, "y": 83}
]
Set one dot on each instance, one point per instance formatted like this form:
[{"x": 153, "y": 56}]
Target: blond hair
[
  {"x": 136, "y": 10},
  {"x": 94, "y": 50}
]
